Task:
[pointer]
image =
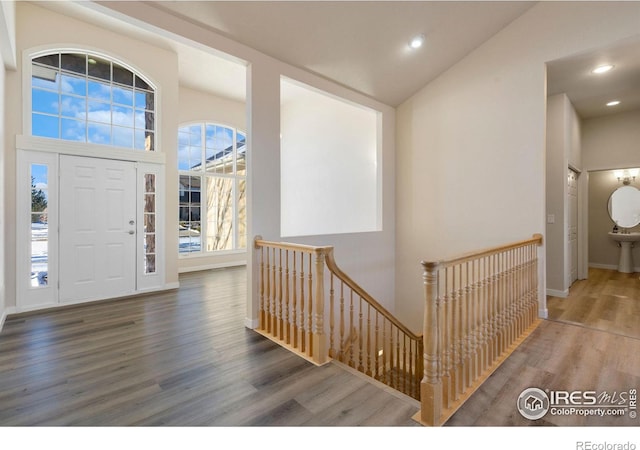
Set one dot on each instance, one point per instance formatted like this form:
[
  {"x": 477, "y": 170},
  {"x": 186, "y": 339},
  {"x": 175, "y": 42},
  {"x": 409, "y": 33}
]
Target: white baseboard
[
  {"x": 609, "y": 266},
  {"x": 3, "y": 317},
  {"x": 603, "y": 266},
  {"x": 18, "y": 310},
  {"x": 252, "y": 324},
  {"x": 543, "y": 313},
  {"x": 212, "y": 266},
  {"x": 557, "y": 293}
]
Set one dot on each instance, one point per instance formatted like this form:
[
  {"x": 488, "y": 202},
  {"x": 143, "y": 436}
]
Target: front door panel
[{"x": 97, "y": 228}]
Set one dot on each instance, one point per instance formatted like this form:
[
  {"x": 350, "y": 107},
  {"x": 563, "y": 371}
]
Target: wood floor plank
[
  {"x": 184, "y": 358},
  {"x": 177, "y": 358}
]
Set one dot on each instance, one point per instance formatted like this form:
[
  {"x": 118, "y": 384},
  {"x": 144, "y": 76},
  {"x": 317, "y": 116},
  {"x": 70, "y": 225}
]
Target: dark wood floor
[{"x": 183, "y": 358}]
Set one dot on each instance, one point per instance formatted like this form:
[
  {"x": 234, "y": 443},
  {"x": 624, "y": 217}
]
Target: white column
[{"x": 263, "y": 169}]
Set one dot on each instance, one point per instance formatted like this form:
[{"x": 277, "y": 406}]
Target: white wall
[
  {"x": 471, "y": 144},
  {"x": 608, "y": 142},
  {"x": 328, "y": 165},
  {"x": 2, "y": 189},
  {"x": 8, "y": 34},
  {"x": 367, "y": 257},
  {"x": 198, "y": 106},
  {"x": 557, "y": 160},
  {"x": 7, "y": 60},
  {"x": 37, "y": 27},
  {"x": 563, "y": 150},
  {"x": 611, "y": 142}
]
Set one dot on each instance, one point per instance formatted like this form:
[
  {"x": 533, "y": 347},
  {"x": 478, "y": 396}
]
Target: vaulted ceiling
[{"x": 364, "y": 45}]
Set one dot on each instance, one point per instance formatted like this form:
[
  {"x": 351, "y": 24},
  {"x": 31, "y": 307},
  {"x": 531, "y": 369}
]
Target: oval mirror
[{"x": 624, "y": 206}]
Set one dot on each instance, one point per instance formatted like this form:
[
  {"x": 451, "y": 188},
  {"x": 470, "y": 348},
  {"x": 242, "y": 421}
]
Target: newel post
[
  {"x": 317, "y": 328},
  {"x": 431, "y": 384}
]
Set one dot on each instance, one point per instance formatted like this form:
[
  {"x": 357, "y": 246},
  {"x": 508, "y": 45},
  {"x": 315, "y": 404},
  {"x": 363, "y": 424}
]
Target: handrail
[
  {"x": 333, "y": 267},
  {"x": 259, "y": 242},
  {"x": 536, "y": 239}
]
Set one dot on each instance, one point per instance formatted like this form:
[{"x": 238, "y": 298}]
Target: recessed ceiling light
[
  {"x": 602, "y": 69},
  {"x": 613, "y": 103},
  {"x": 417, "y": 41}
]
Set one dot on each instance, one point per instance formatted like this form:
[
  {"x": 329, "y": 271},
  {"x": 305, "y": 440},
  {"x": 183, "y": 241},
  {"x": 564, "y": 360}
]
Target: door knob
[{"x": 132, "y": 232}]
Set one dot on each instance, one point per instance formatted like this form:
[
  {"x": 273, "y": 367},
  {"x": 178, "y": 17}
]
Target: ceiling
[
  {"x": 359, "y": 44},
  {"x": 588, "y": 92},
  {"x": 363, "y": 45}
]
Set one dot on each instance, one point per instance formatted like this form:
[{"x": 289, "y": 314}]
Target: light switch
[{"x": 551, "y": 218}]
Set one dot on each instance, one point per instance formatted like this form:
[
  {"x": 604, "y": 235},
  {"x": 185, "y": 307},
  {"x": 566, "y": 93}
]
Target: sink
[
  {"x": 625, "y": 240},
  {"x": 625, "y": 237}
]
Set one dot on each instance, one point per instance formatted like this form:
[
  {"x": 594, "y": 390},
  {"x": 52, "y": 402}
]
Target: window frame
[
  {"x": 205, "y": 176},
  {"x": 56, "y": 145}
]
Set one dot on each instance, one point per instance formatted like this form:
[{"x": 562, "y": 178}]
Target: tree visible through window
[{"x": 212, "y": 194}]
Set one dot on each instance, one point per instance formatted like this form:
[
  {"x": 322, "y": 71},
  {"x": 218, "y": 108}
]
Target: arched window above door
[{"x": 83, "y": 97}]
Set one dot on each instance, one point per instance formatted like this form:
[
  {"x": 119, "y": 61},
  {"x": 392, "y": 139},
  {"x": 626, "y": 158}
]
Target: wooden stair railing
[
  {"x": 380, "y": 346},
  {"x": 479, "y": 308},
  {"x": 359, "y": 332},
  {"x": 291, "y": 297}
]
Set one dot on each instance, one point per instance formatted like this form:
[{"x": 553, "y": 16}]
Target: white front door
[{"x": 97, "y": 228}]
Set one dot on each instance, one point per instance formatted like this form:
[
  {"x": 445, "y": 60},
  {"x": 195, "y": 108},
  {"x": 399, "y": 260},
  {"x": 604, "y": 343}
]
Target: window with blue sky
[
  {"x": 212, "y": 188},
  {"x": 86, "y": 98}
]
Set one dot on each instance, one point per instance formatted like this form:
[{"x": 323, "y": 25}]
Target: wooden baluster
[
  {"x": 376, "y": 349},
  {"x": 475, "y": 320},
  {"x": 360, "y": 336},
  {"x": 398, "y": 364},
  {"x": 431, "y": 384},
  {"x": 457, "y": 378},
  {"x": 469, "y": 367},
  {"x": 492, "y": 308},
  {"x": 261, "y": 281},
  {"x": 268, "y": 292},
  {"x": 393, "y": 376},
  {"x": 351, "y": 331},
  {"x": 464, "y": 336},
  {"x": 384, "y": 350},
  {"x": 341, "y": 341},
  {"x": 484, "y": 315},
  {"x": 507, "y": 330},
  {"x": 280, "y": 332},
  {"x": 301, "y": 310},
  {"x": 405, "y": 373},
  {"x": 531, "y": 317},
  {"x": 522, "y": 296},
  {"x": 411, "y": 373},
  {"x": 294, "y": 288},
  {"x": 445, "y": 338},
  {"x": 513, "y": 296},
  {"x": 319, "y": 338},
  {"x": 309, "y": 309},
  {"x": 368, "y": 371},
  {"x": 287, "y": 297},
  {"x": 274, "y": 295},
  {"x": 533, "y": 275},
  {"x": 332, "y": 349},
  {"x": 502, "y": 303}
]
